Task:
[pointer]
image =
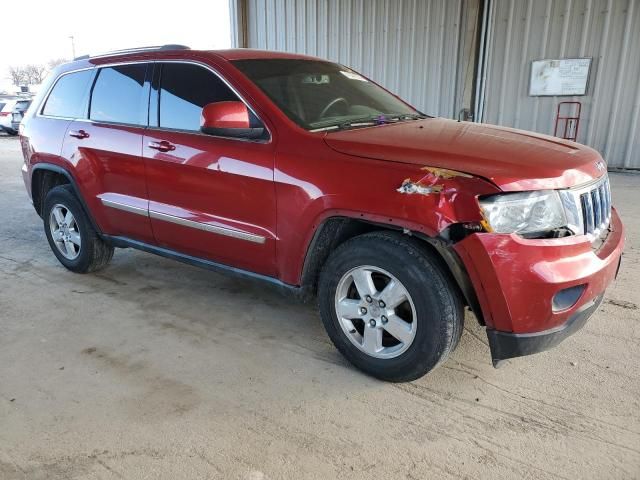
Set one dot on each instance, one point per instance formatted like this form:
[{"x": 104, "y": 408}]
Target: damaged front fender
[
  {"x": 449, "y": 195},
  {"x": 431, "y": 182}
]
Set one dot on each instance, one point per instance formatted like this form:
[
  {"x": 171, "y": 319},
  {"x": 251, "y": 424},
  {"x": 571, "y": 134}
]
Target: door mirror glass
[{"x": 229, "y": 119}]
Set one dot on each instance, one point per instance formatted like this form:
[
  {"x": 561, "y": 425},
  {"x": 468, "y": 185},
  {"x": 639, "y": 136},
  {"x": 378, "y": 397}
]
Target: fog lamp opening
[{"x": 567, "y": 298}]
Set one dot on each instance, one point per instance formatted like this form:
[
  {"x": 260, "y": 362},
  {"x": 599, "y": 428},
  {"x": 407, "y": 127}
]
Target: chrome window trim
[
  {"x": 228, "y": 232},
  {"x": 193, "y": 132},
  {"x": 154, "y": 61}
]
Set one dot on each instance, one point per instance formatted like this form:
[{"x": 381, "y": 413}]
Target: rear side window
[
  {"x": 119, "y": 95},
  {"x": 2, "y": 106},
  {"x": 184, "y": 90},
  {"x": 69, "y": 95}
]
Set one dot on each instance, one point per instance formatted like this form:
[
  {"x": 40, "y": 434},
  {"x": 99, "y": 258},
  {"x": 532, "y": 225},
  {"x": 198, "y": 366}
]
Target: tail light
[{"x": 5, "y": 114}]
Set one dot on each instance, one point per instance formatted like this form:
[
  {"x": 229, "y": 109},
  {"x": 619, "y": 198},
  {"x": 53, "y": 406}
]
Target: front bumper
[
  {"x": 516, "y": 279},
  {"x": 505, "y": 345}
]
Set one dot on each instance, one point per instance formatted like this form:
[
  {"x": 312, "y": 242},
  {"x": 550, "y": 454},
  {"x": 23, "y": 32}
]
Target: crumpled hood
[{"x": 511, "y": 159}]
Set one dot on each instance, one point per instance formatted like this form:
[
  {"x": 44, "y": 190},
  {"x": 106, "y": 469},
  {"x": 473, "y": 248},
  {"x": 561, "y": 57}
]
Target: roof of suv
[
  {"x": 248, "y": 53},
  {"x": 180, "y": 51}
]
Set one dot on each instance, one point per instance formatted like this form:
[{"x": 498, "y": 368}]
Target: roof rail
[{"x": 153, "y": 48}]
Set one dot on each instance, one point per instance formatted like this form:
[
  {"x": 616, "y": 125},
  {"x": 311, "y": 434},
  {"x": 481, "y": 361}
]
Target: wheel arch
[
  {"x": 335, "y": 230},
  {"x": 44, "y": 177}
]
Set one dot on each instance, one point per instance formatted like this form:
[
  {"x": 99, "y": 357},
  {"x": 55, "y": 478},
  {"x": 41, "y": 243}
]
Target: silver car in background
[{"x": 12, "y": 111}]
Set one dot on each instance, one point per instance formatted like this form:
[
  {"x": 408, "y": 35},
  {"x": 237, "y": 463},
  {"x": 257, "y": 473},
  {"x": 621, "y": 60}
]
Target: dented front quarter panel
[{"x": 314, "y": 183}]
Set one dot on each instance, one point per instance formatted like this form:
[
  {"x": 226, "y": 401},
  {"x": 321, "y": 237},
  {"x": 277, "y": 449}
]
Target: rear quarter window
[{"x": 68, "y": 98}]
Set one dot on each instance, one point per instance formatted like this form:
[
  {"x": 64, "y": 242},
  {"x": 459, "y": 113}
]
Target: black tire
[
  {"x": 93, "y": 253},
  {"x": 438, "y": 303}
]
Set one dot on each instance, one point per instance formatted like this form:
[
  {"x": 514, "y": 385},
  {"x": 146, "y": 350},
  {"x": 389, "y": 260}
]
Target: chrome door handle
[
  {"x": 78, "y": 134},
  {"x": 162, "y": 146}
]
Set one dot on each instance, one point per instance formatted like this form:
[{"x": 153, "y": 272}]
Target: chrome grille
[
  {"x": 588, "y": 207},
  {"x": 595, "y": 203}
]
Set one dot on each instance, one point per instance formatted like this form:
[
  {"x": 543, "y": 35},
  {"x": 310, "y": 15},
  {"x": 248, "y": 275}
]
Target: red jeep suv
[{"x": 307, "y": 175}]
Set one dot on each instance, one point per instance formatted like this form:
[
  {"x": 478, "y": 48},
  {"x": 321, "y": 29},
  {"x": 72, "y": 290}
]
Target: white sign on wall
[{"x": 566, "y": 76}]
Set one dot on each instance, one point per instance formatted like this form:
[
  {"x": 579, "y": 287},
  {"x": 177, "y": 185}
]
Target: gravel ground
[{"x": 154, "y": 369}]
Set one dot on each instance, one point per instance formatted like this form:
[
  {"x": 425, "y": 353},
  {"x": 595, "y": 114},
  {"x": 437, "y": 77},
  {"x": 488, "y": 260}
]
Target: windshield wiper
[
  {"x": 381, "y": 119},
  {"x": 356, "y": 122},
  {"x": 370, "y": 120},
  {"x": 408, "y": 116},
  {"x": 362, "y": 122}
]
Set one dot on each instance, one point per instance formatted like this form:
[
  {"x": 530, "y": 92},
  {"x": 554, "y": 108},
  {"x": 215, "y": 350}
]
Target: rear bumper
[{"x": 516, "y": 280}]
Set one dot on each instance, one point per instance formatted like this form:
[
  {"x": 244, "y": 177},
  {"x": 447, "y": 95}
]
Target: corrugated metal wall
[
  {"x": 409, "y": 46},
  {"x": 424, "y": 51},
  {"x": 606, "y": 30}
]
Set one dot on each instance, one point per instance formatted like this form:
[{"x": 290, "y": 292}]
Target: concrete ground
[{"x": 153, "y": 369}]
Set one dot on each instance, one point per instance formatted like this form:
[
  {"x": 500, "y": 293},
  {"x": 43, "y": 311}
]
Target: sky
[{"x": 101, "y": 26}]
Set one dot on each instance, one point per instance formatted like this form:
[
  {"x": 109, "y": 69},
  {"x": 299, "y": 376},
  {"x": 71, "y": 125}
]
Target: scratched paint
[{"x": 428, "y": 184}]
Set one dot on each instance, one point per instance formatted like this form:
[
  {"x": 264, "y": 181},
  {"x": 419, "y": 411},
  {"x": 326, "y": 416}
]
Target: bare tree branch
[
  {"x": 17, "y": 75},
  {"x": 35, "y": 74}
]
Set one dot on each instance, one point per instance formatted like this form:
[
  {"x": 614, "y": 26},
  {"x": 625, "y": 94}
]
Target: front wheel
[{"x": 390, "y": 306}]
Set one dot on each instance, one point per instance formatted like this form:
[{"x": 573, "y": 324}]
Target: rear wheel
[
  {"x": 71, "y": 236},
  {"x": 390, "y": 306}
]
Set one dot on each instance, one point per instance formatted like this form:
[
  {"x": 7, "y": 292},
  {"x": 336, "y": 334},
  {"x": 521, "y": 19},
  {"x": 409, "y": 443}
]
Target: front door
[{"x": 209, "y": 197}]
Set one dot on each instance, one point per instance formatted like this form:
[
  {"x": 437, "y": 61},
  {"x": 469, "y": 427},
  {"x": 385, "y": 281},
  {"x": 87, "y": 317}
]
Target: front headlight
[{"x": 524, "y": 212}]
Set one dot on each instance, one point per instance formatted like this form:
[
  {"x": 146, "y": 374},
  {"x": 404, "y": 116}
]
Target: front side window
[
  {"x": 119, "y": 95},
  {"x": 184, "y": 90},
  {"x": 69, "y": 95},
  {"x": 317, "y": 94}
]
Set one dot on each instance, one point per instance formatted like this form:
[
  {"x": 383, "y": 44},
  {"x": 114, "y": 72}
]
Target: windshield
[{"x": 320, "y": 95}]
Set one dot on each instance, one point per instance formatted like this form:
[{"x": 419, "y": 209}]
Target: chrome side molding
[
  {"x": 227, "y": 232},
  {"x": 124, "y": 207}
]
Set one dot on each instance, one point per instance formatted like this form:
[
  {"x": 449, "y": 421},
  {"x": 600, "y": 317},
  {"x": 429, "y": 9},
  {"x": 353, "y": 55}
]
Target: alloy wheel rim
[
  {"x": 65, "y": 232},
  {"x": 376, "y": 312}
]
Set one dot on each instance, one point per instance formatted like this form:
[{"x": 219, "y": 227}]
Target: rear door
[
  {"x": 43, "y": 137},
  {"x": 209, "y": 197},
  {"x": 106, "y": 150}
]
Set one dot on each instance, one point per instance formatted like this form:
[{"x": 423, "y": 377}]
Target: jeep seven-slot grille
[{"x": 596, "y": 207}]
